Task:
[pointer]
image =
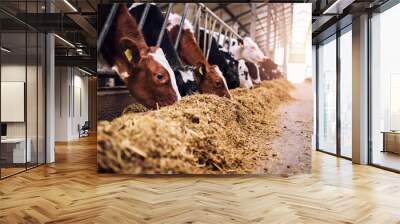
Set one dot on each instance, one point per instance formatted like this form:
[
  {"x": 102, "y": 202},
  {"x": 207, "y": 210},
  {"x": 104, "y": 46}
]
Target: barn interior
[{"x": 50, "y": 103}]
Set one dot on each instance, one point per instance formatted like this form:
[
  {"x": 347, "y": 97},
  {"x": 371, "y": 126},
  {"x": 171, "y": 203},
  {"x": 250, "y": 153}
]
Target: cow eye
[{"x": 159, "y": 77}]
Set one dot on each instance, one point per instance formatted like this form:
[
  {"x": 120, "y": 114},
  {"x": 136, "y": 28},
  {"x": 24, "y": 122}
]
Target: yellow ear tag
[
  {"x": 128, "y": 54},
  {"x": 201, "y": 71}
]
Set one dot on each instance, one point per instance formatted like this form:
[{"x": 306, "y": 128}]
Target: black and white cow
[
  {"x": 238, "y": 65},
  {"x": 248, "y": 50},
  {"x": 216, "y": 57},
  {"x": 185, "y": 78}
]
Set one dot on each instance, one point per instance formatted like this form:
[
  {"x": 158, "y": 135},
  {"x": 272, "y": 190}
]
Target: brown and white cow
[
  {"x": 144, "y": 69},
  {"x": 211, "y": 79}
]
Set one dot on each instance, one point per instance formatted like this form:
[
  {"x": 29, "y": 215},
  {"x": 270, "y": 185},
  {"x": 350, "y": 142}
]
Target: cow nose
[{"x": 228, "y": 95}]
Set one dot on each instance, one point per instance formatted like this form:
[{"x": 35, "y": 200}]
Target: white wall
[
  {"x": 71, "y": 94},
  {"x": 62, "y": 81}
]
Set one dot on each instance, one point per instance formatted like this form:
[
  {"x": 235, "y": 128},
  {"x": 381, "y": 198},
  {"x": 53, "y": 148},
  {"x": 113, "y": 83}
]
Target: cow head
[
  {"x": 209, "y": 77},
  {"x": 251, "y": 51},
  {"x": 211, "y": 80},
  {"x": 268, "y": 69},
  {"x": 248, "y": 50},
  {"x": 269, "y": 64},
  {"x": 147, "y": 73}
]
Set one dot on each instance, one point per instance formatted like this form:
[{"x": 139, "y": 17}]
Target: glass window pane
[
  {"x": 31, "y": 97},
  {"x": 385, "y": 89},
  {"x": 346, "y": 94},
  {"x": 327, "y": 96},
  {"x": 13, "y": 86}
]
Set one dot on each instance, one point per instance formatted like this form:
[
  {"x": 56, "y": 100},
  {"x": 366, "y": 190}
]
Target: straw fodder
[{"x": 199, "y": 134}]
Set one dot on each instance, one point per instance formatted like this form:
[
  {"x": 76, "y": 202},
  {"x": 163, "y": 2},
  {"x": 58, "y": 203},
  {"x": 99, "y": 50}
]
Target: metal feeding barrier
[
  {"x": 210, "y": 19},
  {"x": 164, "y": 26},
  {"x": 144, "y": 16},
  {"x": 209, "y": 23},
  {"x": 181, "y": 25}
]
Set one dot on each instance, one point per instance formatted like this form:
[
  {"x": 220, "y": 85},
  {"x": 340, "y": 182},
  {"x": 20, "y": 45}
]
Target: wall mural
[{"x": 181, "y": 92}]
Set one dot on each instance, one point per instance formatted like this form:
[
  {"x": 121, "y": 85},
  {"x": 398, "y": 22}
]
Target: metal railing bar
[
  {"x": 219, "y": 35},
  {"x": 210, "y": 38},
  {"x": 198, "y": 26},
  {"x": 144, "y": 16},
  {"x": 181, "y": 25},
  {"x": 230, "y": 41},
  {"x": 161, "y": 35},
  {"x": 220, "y": 20},
  {"x": 106, "y": 26},
  {"x": 204, "y": 34},
  {"x": 197, "y": 16}
]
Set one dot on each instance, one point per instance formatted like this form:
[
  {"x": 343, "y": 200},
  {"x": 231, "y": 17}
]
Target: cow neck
[
  {"x": 127, "y": 27},
  {"x": 188, "y": 49}
]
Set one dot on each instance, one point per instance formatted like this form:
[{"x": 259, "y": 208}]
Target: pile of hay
[{"x": 200, "y": 134}]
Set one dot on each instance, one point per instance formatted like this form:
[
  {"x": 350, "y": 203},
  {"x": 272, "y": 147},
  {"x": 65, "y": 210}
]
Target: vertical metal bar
[
  {"x": 144, "y": 16},
  {"x": 26, "y": 87},
  {"x": 37, "y": 90},
  {"x": 197, "y": 16},
  {"x": 317, "y": 97},
  {"x": 161, "y": 35},
  {"x": 223, "y": 39},
  {"x": 59, "y": 83},
  {"x": 181, "y": 25},
  {"x": 210, "y": 38},
  {"x": 204, "y": 33},
  {"x": 198, "y": 27},
  {"x": 219, "y": 35},
  {"x": 73, "y": 91},
  {"x": 338, "y": 99},
  {"x": 230, "y": 41},
  {"x": 162, "y": 32},
  {"x": 69, "y": 92},
  {"x": 106, "y": 26},
  {"x": 369, "y": 90},
  {"x": 45, "y": 90}
]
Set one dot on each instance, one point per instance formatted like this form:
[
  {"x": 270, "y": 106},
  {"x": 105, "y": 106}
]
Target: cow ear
[{"x": 130, "y": 50}]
